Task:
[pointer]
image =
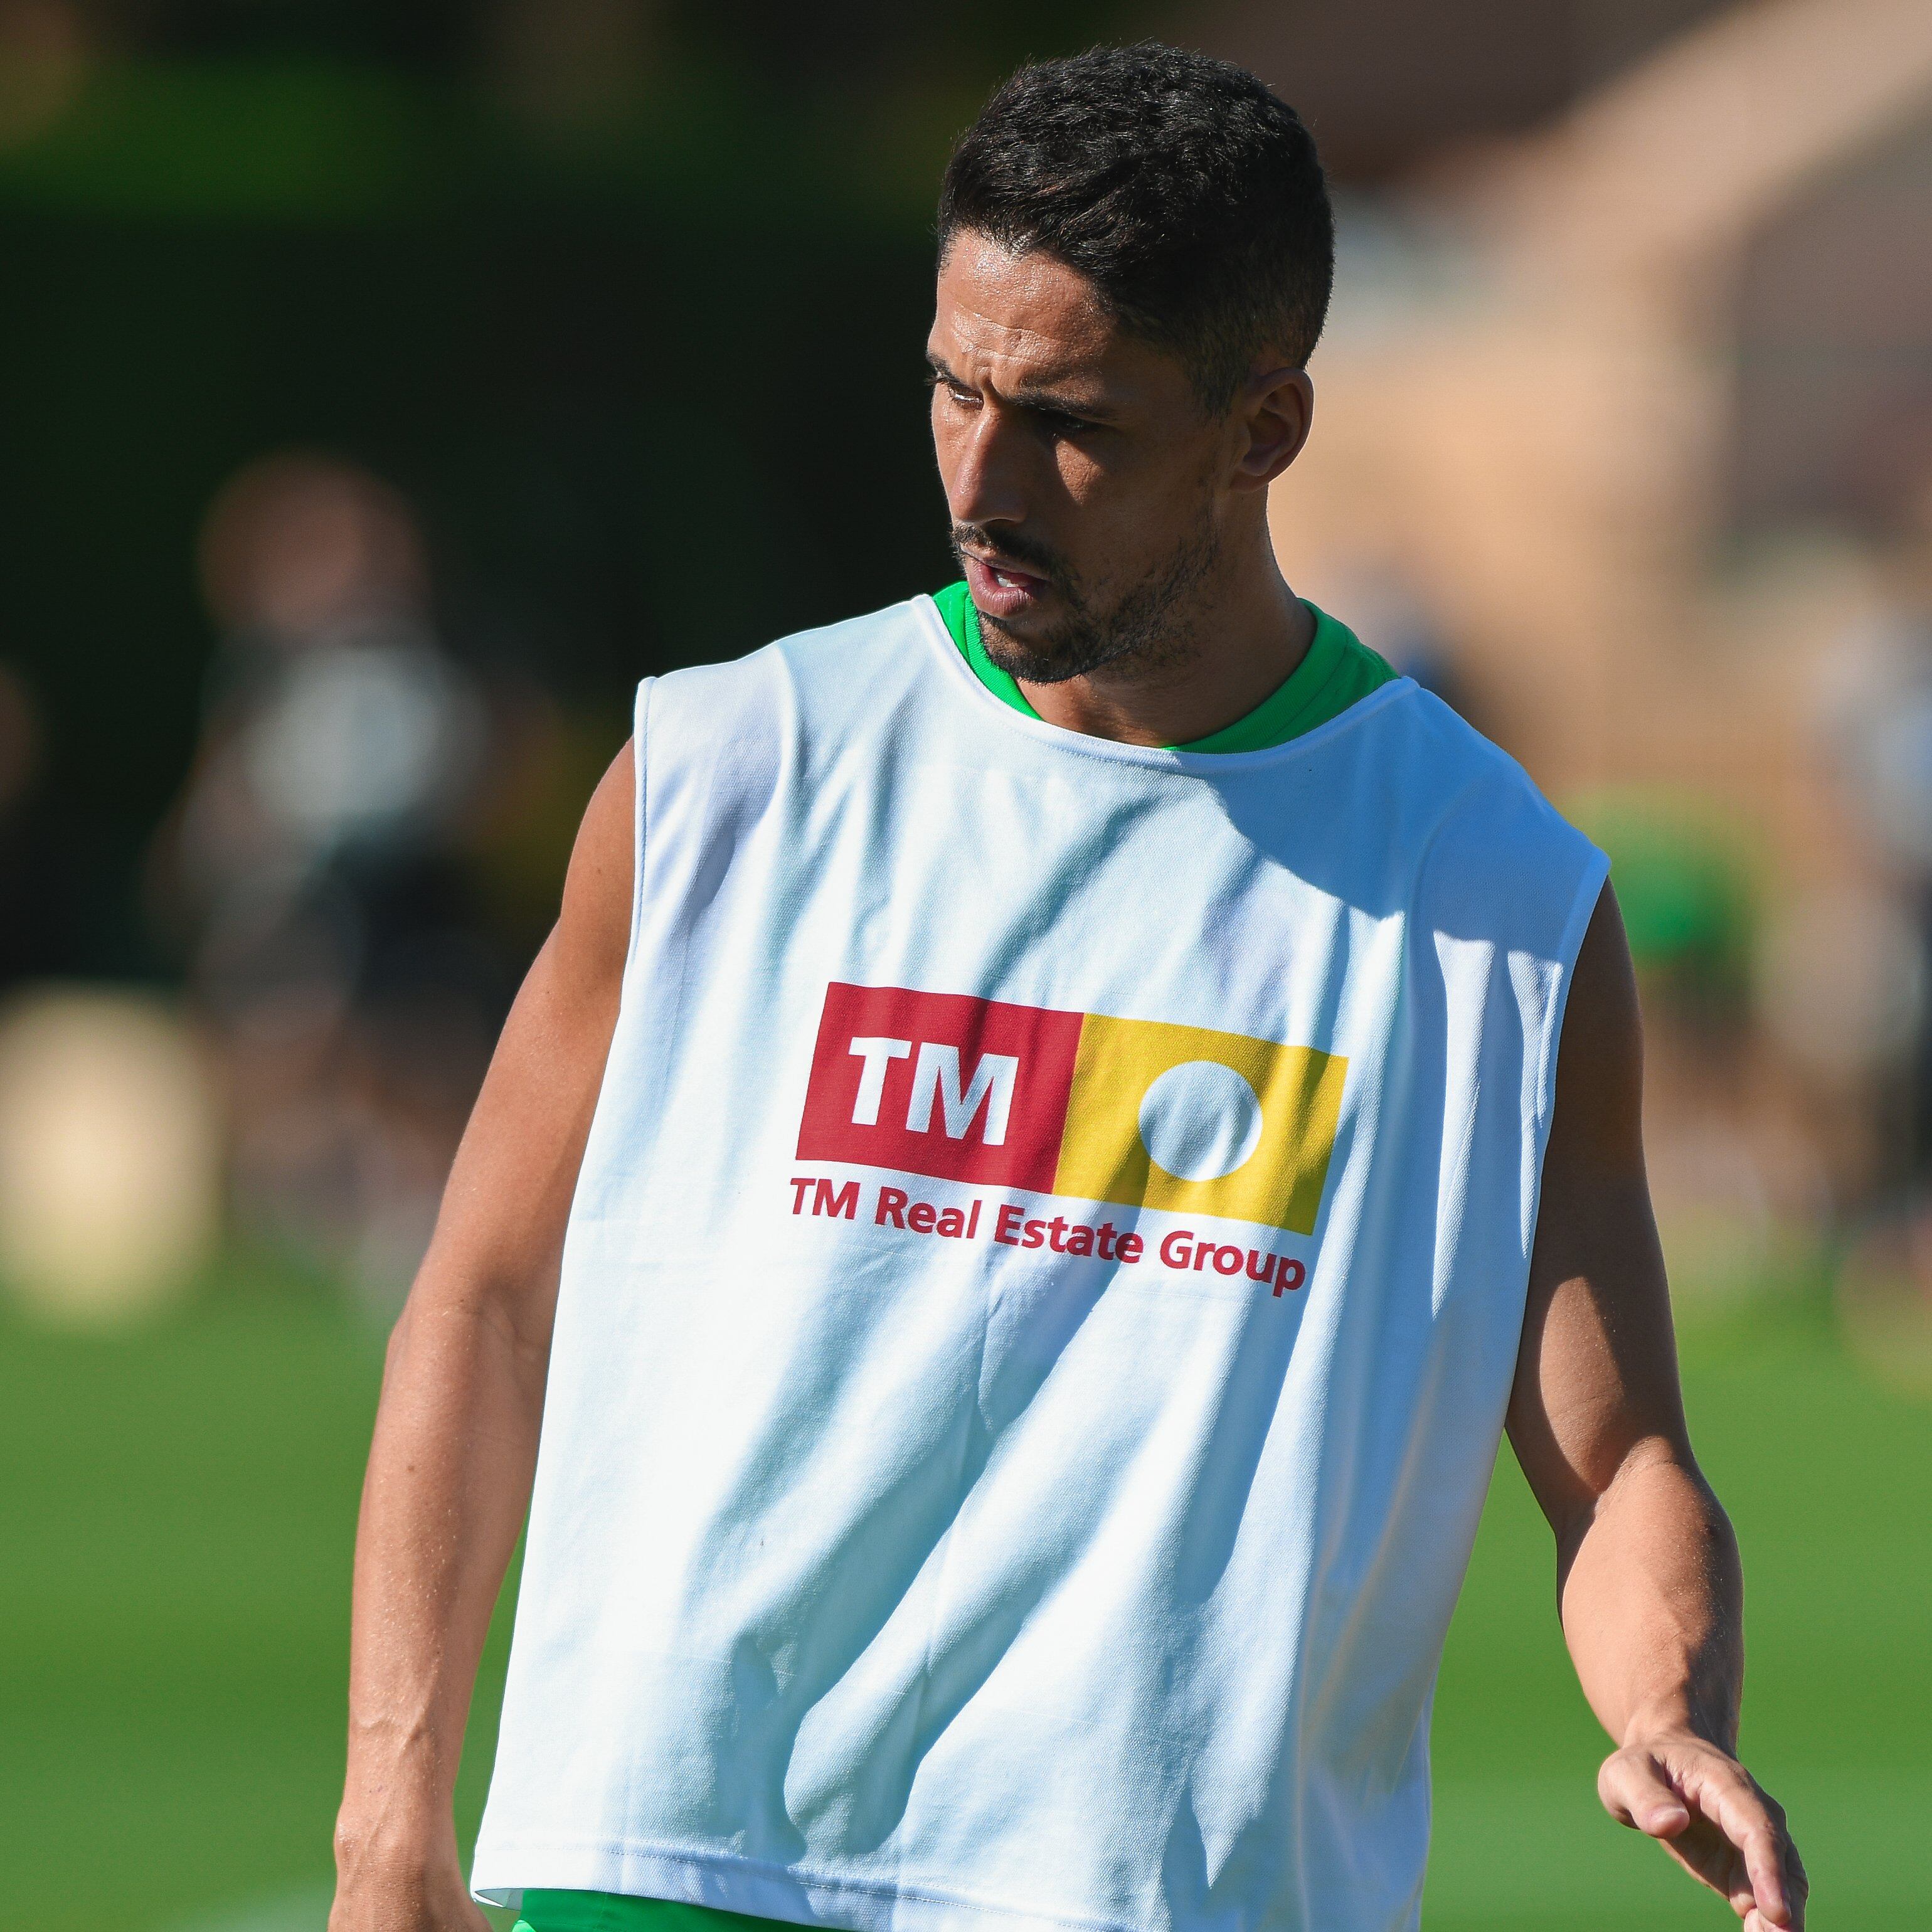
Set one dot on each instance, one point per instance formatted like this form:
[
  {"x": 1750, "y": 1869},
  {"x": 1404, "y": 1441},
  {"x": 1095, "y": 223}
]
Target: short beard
[{"x": 1145, "y": 626}]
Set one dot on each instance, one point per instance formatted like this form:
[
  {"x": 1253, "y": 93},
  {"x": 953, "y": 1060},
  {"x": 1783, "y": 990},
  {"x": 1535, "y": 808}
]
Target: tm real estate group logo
[{"x": 1087, "y": 1106}]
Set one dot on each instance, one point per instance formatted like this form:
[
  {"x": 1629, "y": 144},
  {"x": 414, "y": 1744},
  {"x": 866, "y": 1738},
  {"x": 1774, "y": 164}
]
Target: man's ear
[{"x": 1276, "y": 407}]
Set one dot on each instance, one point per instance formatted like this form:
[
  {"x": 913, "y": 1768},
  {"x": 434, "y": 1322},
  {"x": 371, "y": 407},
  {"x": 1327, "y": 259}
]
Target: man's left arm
[{"x": 1649, "y": 1585}]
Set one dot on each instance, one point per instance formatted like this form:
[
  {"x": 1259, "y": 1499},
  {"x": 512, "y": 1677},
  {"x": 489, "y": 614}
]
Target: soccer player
[{"x": 1057, "y": 1125}]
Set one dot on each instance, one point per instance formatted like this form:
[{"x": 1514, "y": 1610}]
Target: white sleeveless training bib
[{"x": 1038, "y": 1308}]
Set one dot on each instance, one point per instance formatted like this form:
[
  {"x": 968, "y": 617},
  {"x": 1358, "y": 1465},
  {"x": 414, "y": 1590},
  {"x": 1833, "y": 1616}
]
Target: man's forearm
[
  {"x": 448, "y": 1479},
  {"x": 456, "y": 1434},
  {"x": 1652, "y": 1598},
  {"x": 1652, "y": 1595}
]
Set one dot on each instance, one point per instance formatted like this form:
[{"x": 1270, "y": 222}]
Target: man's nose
[{"x": 984, "y": 479}]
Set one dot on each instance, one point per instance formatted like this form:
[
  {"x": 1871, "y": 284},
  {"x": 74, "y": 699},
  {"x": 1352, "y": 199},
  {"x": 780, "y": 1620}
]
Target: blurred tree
[
  {"x": 848, "y": 42},
  {"x": 426, "y": 37},
  {"x": 627, "y": 295}
]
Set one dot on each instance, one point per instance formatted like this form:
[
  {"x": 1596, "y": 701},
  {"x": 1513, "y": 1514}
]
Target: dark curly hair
[{"x": 1182, "y": 187}]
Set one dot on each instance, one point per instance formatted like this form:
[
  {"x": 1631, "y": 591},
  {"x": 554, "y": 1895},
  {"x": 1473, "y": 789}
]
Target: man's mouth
[{"x": 1000, "y": 589}]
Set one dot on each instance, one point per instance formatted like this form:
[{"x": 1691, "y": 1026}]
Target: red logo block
[{"x": 940, "y": 1083}]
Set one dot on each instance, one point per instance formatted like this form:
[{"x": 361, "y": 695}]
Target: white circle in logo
[{"x": 1200, "y": 1120}]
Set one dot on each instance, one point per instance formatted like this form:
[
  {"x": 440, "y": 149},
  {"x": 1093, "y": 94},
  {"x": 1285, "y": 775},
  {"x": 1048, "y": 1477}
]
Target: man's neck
[{"x": 1244, "y": 644}]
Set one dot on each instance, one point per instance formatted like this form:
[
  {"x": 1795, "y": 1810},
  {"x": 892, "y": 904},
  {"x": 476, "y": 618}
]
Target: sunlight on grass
[{"x": 174, "y": 1616}]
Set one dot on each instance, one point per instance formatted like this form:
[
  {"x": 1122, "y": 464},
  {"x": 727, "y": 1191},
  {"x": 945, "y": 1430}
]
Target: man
[{"x": 1043, "y": 1106}]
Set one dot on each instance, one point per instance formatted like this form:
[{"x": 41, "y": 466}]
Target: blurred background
[{"x": 386, "y": 390}]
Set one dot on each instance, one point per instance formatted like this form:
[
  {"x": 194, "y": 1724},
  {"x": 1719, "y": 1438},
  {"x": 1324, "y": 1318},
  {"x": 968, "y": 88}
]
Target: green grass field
[{"x": 179, "y": 1504}]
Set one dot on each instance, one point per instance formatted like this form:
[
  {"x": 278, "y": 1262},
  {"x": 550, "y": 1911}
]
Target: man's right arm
[{"x": 456, "y": 1431}]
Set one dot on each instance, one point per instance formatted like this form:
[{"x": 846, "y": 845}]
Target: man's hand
[
  {"x": 1713, "y": 1817},
  {"x": 1649, "y": 1582},
  {"x": 397, "y": 1867},
  {"x": 376, "y": 1895},
  {"x": 406, "y": 1902}
]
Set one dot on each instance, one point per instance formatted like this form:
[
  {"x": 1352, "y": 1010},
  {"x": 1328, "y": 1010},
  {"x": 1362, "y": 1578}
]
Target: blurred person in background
[
  {"x": 1879, "y": 709},
  {"x": 313, "y": 866},
  {"x": 894, "y": 1557},
  {"x": 20, "y": 767},
  {"x": 1848, "y": 989}
]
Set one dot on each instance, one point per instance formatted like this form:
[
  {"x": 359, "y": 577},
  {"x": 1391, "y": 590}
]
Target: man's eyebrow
[{"x": 1045, "y": 400}]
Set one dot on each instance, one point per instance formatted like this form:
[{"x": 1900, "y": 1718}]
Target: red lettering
[
  {"x": 1179, "y": 1240},
  {"x": 1281, "y": 1274},
  {"x": 1203, "y": 1255},
  {"x": 801, "y": 1186},
  {"x": 1007, "y": 1227},
  {"x": 952, "y": 1224},
  {"x": 973, "y": 1219},
  {"x": 1104, "y": 1237},
  {"x": 874, "y": 1107},
  {"x": 844, "y": 1204},
  {"x": 891, "y": 1208},
  {"x": 923, "y": 1218},
  {"x": 1266, "y": 1272},
  {"x": 1129, "y": 1248},
  {"x": 1227, "y": 1261},
  {"x": 1080, "y": 1241},
  {"x": 1035, "y": 1235},
  {"x": 1057, "y": 1228}
]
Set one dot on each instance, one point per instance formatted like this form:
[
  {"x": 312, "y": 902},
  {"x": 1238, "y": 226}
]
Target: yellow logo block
[{"x": 1197, "y": 1122}]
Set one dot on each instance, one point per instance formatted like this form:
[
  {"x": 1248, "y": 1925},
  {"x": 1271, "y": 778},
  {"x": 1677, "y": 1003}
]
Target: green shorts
[{"x": 611, "y": 1912}]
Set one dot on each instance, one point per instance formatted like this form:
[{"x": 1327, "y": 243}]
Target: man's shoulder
[
  {"x": 1491, "y": 838},
  {"x": 728, "y": 730},
  {"x": 1424, "y": 741},
  {"x": 842, "y": 656}
]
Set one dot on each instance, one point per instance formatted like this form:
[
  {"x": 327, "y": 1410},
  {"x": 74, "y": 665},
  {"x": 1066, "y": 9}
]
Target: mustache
[{"x": 1024, "y": 551}]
